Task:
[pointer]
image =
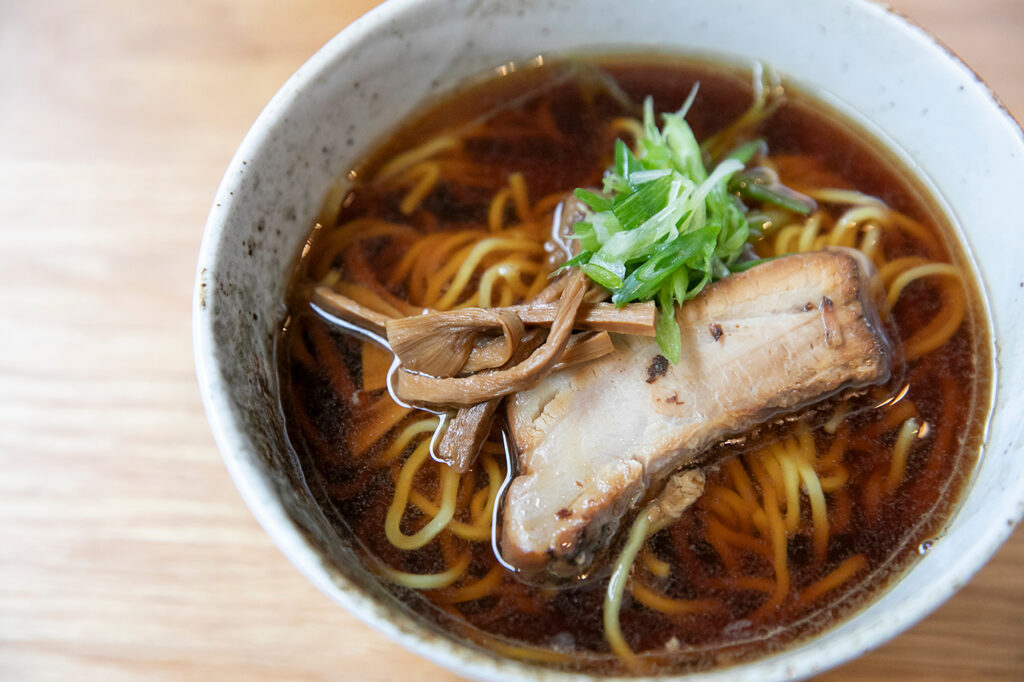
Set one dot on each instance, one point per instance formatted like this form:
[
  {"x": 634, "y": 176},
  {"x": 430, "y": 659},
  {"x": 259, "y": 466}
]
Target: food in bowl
[{"x": 670, "y": 392}]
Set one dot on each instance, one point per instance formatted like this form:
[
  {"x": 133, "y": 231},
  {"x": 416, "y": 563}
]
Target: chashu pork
[{"x": 593, "y": 439}]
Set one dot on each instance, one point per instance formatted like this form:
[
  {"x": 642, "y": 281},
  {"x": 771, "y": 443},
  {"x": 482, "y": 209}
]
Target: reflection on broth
[{"x": 801, "y": 520}]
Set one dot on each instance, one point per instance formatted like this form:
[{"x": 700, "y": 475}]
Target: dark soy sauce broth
[{"x": 949, "y": 386}]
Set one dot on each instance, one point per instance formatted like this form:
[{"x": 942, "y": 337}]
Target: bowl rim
[{"x": 463, "y": 657}]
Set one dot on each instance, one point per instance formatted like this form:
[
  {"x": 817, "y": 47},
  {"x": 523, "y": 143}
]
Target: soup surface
[{"x": 796, "y": 529}]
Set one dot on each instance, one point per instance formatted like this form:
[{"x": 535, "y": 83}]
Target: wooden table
[{"x": 125, "y": 552}]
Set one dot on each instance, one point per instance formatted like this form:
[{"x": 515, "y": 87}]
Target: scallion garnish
[
  {"x": 663, "y": 227},
  {"x": 762, "y": 184}
]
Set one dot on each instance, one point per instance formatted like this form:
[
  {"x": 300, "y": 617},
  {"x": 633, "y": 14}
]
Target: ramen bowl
[{"x": 881, "y": 72}]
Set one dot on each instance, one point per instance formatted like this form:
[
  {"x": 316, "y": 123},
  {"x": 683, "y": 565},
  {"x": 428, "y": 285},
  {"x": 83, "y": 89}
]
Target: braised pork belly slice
[{"x": 593, "y": 440}]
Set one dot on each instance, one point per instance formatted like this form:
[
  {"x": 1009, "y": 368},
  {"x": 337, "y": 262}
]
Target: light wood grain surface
[{"x": 125, "y": 552}]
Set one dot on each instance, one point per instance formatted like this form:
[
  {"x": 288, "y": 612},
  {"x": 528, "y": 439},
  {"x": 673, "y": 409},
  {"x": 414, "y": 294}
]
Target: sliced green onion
[
  {"x": 635, "y": 209},
  {"x": 667, "y": 332},
  {"x": 762, "y": 184},
  {"x": 665, "y": 225},
  {"x": 594, "y": 201},
  {"x": 602, "y": 276}
]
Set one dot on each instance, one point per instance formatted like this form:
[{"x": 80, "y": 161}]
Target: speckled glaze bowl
[{"x": 881, "y": 71}]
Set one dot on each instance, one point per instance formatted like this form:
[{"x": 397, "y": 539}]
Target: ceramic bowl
[{"x": 883, "y": 72}]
